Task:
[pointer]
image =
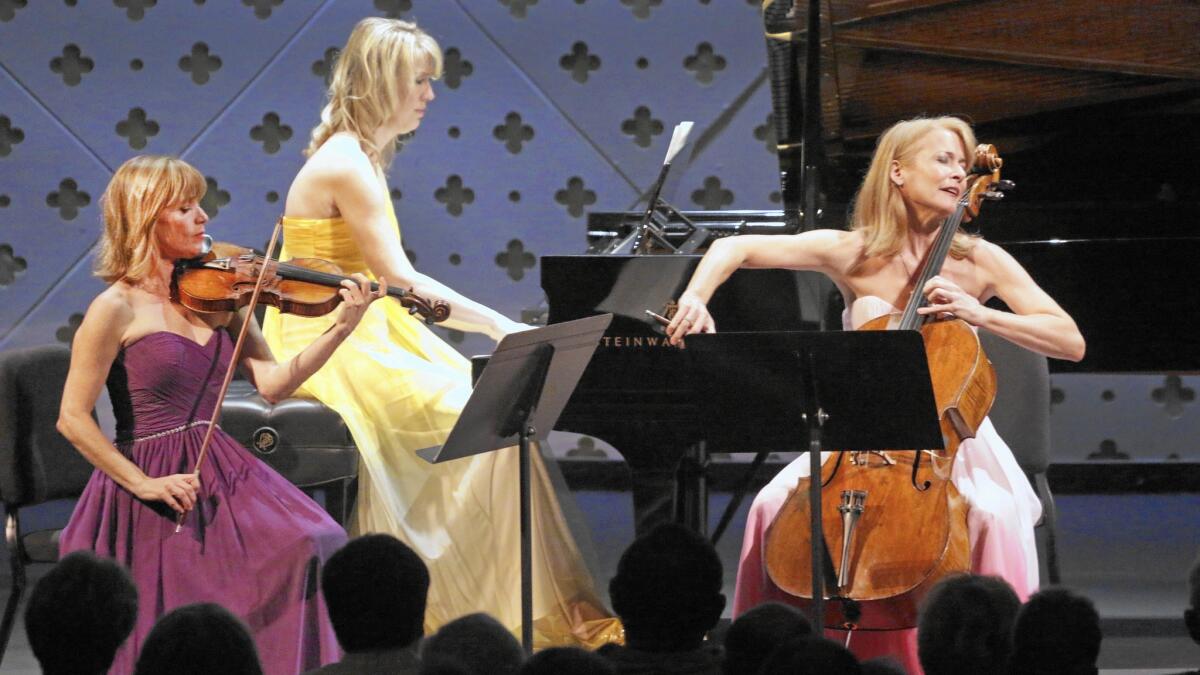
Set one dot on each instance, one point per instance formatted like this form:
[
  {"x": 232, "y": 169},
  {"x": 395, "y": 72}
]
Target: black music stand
[
  {"x": 517, "y": 401},
  {"x": 815, "y": 391}
]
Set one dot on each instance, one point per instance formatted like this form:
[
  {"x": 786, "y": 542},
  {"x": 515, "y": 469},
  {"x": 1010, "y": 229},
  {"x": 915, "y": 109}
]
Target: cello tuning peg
[
  {"x": 412, "y": 309},
  {"x": 1003, "y": 184},
  {"x": 993, "y": 195}
]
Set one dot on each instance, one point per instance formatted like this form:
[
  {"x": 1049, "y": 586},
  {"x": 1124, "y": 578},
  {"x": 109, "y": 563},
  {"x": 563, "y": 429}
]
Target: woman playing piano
[
  {"x": 397, "y": 385},
  {"x": 915, "y": 178}
]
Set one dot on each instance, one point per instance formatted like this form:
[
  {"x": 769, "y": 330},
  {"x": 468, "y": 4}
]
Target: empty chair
[{"x": 36, "y": 463}]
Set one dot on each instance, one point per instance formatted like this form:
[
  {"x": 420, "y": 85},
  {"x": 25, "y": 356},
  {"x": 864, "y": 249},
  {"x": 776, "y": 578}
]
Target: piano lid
[{"x": 1080, "y": 85}]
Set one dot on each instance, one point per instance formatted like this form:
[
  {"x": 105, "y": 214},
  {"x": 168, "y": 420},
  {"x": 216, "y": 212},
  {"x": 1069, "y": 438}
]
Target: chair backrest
[
  {"x": 1021, "y": 412},
  {"x": 36, "y": 463}
]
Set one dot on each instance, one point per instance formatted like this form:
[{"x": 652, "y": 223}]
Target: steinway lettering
[{"x": 622, "y": 341}]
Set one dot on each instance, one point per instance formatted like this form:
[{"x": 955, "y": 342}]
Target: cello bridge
[{"x": 871, "y": 458}]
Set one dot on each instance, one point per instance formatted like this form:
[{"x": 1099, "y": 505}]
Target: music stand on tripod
[
  {"x": 815, "y": 391},
  {"x": 517, "y": 401}
]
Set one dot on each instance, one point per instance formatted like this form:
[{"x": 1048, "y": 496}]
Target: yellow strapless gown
[{"x": 400, "y": 388}]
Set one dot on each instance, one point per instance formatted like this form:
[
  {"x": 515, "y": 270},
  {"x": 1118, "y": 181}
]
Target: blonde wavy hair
[
  {"x": 372, "y": 75},
  {"x": 139, "y": 191},
  {"x": 878, "y": 210}
]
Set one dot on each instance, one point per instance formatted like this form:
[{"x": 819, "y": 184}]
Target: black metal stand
[
  {"x": 542, "y": 366},
  {"x": 815, "y": 391}
]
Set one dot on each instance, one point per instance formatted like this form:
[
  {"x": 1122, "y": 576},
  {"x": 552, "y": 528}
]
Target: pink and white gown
[{"x": 1004, "y": 509}]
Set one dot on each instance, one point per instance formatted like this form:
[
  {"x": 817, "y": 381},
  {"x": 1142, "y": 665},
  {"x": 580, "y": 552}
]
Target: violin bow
[{"x": 233, "y": 363}]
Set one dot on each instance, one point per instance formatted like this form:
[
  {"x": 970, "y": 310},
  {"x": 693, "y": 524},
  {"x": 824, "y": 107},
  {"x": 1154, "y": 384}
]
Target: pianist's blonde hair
[
  {"x": 372, "y": 75},
  {"x": 139, "y": 191},
  {"x": 878, "y": 210}
]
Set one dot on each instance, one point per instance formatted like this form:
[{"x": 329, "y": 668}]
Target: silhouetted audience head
[
  {"x": 1191, "y": 615},
  {"x": 79, "y": 613},
  {"x": 965, "y": 625},
  {"x": 443, "y": 665},
  {"x": 480, "y": 642},
  {"x": 810, "y": 655},
  {"x": 755, "y": 634},
  {"x": 667, "y": 589},
  {"x": 375, "y": 588},
  {"x": 572, "y": 660},
  {"x": 881, "y": 665},
  {"x": 198, "y": 639},
  {"x": 1057, "y": 631}
]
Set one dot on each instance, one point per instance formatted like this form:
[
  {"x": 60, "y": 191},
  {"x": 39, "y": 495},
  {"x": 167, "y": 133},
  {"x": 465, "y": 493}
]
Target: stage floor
[{"x": 1129, "y": 552}]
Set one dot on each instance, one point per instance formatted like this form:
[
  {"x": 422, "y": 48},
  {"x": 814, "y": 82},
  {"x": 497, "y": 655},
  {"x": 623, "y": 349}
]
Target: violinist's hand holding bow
[
  {"x": 357, "y": 296},
  {"x": 177, "y": 491},
  {"x": 691, "y": 317},
  {"x": 948, "y": 300}
]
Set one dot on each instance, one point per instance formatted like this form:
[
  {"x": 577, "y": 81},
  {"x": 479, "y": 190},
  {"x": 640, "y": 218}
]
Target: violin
[
  {"x": 896, "y": 525},
  {"x": 222, "y": 279}
]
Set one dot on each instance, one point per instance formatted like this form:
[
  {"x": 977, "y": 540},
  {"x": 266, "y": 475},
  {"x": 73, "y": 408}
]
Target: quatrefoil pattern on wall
[
  {"x": 579, "y": 62},
  {"x": 454, "y": 195},
  {"x": 271, "y": 133},
  {"x": 11, "y": 265},
  {"x": 515, "y": 259},
  {"x": 200, "y": 63},
  {"x": 394, "y": 9},
  {"x": 518, "y": 8},
  {"x": 8, "y": 9},
  {"x": 262, "y": 8},
  {"x": 575, "y": 196},
  {"x": 72, "y": 65},
  {"x": 68, "y": 199},
  {"x": 9, "y": 136},
  {"x": 455, "y": 68},
  {"x": 214, "y": 197},
  {"x": 513, "y": 132},
  {"x": 137, "y": 128},
  {"x": 643, "y": 127},
  {"x": 135, "y": 10}
]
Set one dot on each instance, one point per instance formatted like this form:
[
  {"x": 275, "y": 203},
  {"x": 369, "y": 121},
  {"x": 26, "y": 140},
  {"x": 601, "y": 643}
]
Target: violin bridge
[{"x": 851, "y": 508}]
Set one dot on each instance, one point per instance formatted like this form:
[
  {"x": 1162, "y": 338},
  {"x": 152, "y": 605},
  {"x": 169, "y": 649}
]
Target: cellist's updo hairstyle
[
  {"x": 372, "y": 75},
  {"x": 879, "y": 210},
  {"x": 139, "y": 191}
]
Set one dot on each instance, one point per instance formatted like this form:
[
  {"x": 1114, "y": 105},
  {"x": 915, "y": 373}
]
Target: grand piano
[{"x": 1097, "y": 115}]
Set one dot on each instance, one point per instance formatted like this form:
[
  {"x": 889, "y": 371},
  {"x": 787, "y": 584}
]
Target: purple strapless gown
[{"x": 254, "y": 543}]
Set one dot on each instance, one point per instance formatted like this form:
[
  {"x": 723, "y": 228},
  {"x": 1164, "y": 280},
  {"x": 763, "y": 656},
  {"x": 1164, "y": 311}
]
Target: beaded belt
[{"x": 175, "y": 430}]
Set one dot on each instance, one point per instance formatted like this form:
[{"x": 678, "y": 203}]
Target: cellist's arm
[
  {"x": 1036, "y": 322},
  {"x": 813, "y": 250}
]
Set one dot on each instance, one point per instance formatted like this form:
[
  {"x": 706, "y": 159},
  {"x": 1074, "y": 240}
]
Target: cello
[{"x": 894, "y": 522}]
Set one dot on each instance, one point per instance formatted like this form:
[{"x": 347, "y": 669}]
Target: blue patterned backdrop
[{"x": 548, "y": 109}]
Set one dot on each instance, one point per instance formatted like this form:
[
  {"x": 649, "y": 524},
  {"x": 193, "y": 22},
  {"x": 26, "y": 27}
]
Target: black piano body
[{"x": 636, "y": 393}]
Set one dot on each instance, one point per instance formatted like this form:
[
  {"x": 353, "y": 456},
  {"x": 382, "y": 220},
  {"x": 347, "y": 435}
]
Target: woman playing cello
[{"x": 915, "y": 179}]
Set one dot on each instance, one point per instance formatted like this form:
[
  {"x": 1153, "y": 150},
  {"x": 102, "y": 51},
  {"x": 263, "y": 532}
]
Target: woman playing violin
[
  {"x": 251, "y": 541},
  {"x": 915, "y": 179},
  {"x": 398, "y": 386}
]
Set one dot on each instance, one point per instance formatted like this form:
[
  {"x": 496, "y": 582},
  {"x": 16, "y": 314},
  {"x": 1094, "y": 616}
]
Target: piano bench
[{"x": 302, "y": 439}]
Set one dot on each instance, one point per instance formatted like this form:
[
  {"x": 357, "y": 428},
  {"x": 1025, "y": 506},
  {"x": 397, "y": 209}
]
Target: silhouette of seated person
[
  {"x": 965, "y": 626},
  {"x": 667, "y": 592},
  {"x": 79, "y": 613},
  {"x": 1057, "y": 631},
  {"x": 199, "y": 639},
  {"x": 754, "y": 635},
  {"x": 810, "y": 655},
  {"x": 375, "y": 589},
  {"x": 574, "y": 660},
  {"x": 477, "y": 641},
  {"x": 1191, "y": 615}
]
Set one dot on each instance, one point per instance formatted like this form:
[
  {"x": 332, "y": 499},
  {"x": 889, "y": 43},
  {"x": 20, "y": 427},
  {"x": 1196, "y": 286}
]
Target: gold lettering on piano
[{"x": 633, "y": 341}]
